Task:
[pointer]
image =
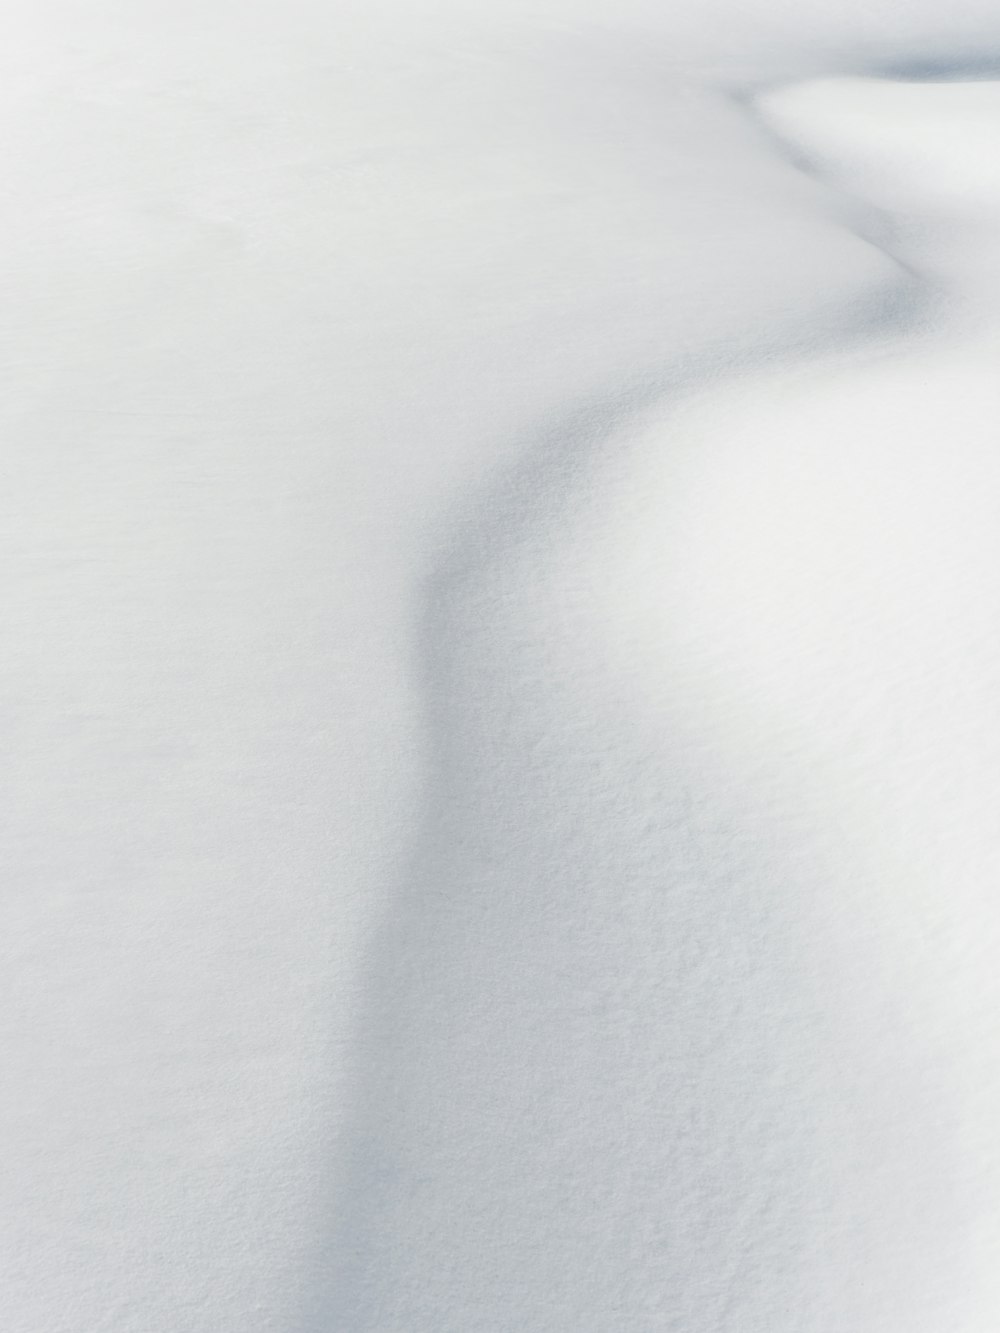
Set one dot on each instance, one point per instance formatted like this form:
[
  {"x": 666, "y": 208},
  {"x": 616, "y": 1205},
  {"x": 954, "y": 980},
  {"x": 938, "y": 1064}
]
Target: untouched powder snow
[
  {"x": 499, "y": 579},
  {"x": 687, "y": 1018}
]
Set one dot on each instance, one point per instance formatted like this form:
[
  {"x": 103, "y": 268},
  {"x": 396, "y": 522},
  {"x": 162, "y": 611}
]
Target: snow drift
[{"x": 499, "y": 587}]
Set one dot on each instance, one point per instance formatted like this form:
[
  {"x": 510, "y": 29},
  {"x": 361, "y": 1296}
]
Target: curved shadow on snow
[{"x": 531, "y": 988}]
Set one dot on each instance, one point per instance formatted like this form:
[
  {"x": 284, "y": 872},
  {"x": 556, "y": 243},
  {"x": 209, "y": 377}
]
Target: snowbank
[{"x": 498, "y": 576}]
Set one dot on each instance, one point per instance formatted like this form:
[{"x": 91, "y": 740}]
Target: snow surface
[{"x": 500, "y": 578}]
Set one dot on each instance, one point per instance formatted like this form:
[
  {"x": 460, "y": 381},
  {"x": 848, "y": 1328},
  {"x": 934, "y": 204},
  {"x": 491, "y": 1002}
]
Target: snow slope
[
  {"x": 483, "y": 849},
  {"x": 687, "y": 1020}
]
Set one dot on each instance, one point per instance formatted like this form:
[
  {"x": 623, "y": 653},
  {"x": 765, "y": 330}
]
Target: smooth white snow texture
[{"x": 500, "y": 583}]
